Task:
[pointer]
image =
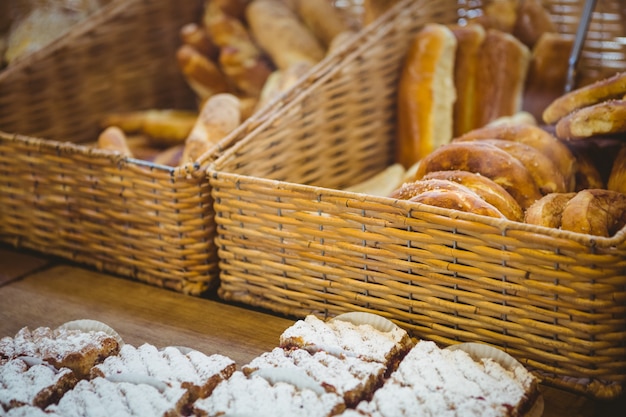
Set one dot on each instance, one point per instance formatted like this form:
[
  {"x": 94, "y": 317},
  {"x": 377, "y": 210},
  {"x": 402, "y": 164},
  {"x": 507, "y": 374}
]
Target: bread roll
[
  {"x": 503, "y": 63},
  {"x": 595, "y": 212},
  {"x": 219, "y": 116},
  {"x": 486, "y": 189},
  {"x": 426, "y": 94},
  {"x": 487, "y": 160},
  {"x": 281, "y": 34},
  {"x": 469, "y": 40},
  {"x": 547, "y": 73},
  {"x": 617, "y": 177},
  {"x": 536, "y": 137},
  {"x": 548, "y": 210},
  {"x": 605, "y": 118},
  {"x": 609, "y": 88}
]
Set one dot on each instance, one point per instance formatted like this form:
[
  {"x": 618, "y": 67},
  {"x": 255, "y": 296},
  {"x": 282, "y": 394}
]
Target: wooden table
[{"x": 39, "y": 291}]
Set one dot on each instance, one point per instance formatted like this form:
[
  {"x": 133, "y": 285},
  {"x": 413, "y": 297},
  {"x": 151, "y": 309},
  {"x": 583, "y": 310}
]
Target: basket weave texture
[{"x": 291, "y": 241}]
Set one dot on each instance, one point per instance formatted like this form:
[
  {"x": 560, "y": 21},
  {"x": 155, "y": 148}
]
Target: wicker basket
[
  {"x": 291, "y": 241},
  {"x": 61, "y": 197}
]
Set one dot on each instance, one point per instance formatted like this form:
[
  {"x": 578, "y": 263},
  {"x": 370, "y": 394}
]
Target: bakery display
[{"x": 354, "y": 362}]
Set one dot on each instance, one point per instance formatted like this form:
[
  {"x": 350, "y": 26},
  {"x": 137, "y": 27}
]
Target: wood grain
[{"x": 138, "y": 312}]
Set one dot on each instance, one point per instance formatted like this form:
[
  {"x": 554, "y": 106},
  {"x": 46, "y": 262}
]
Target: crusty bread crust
[{"x": 426, "y": 94}]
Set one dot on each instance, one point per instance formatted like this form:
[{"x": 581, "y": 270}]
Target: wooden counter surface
[{"x": 36, "y": 291}]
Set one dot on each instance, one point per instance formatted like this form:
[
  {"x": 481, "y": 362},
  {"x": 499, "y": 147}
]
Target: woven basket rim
[{"x": 502, "y": 224}]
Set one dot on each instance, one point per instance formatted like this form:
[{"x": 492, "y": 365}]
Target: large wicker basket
[
  {"x": 291, "y": 241},
  {"x": 62, "y": 197}
]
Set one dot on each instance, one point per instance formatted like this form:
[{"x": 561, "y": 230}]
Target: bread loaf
[
  {"x": 426, "y": 94},
  {"x": 503, "y": 63},
  {"x": 203, "y": 75},
  {"x": 548, "y": 210},
  {"x": 469, "y": 41}
]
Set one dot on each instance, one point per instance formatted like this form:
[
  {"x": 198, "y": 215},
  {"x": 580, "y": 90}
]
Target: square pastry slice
[
  {"x": 271, "y": 394},
  {"x": 352, "y": 378},
  {"x": 446, "y": 382},
  {"x": 29, "y": 381},
  {"x": 122, "y": 396},
  {"x": 78, "y": 350},
  {"x": 361, "y": 335},
  {"x": 190, "y": 369}
]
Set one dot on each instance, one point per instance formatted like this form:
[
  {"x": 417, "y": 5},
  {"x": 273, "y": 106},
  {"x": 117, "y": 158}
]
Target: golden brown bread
[
  {"x": 617, "y": 176},
  {"x": 469, "y": 40},
  {"x": 218, "y": 116},
  {"x": 547, "y": 73},
  {"x": 613, "y": 87},
  {"x": 239, "y": 57},
  {"x": 487, "y": 160},
  {"x": 548, "y": 210},
  {"x": 486, "y": 189},
  {"x": 322, "y": 18},
  {"x": 447, "y": 194},
  {"x": 196, "y": 36},
  {"x": 163, "y": 126},
  {"x": 463, "y": 201},
  {"x": 536, "y": 137},
  {"x": 281, "y": 34},
  {"x": 605, "y": 118},
  {"x": 498, "y": 14},
  {"x": 503, "y": 63},
  {"x": 203, "y": 75},
  {"x": 546, "y": 175},
  {"x": 114, "y": 139},
  {"x": 532, "y": 22},
  {"x": 596, "y": 212},
  {"x": 426, "y": 94}
]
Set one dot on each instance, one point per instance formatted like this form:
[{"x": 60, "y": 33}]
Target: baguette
[
  {"x": 203, "y": 75},
  {"x": 218, "y": 116},
  {"x": 426, "y": 94},
  {"x": 322, "y": 18},
  {"x": 281, "y": 34}
]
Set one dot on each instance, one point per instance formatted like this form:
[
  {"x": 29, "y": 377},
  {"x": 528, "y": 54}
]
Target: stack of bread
[
  {"x": 479, "y": 132},
  {"x": 239, "y": 56},
  {"x": 354, "y": 364}
]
